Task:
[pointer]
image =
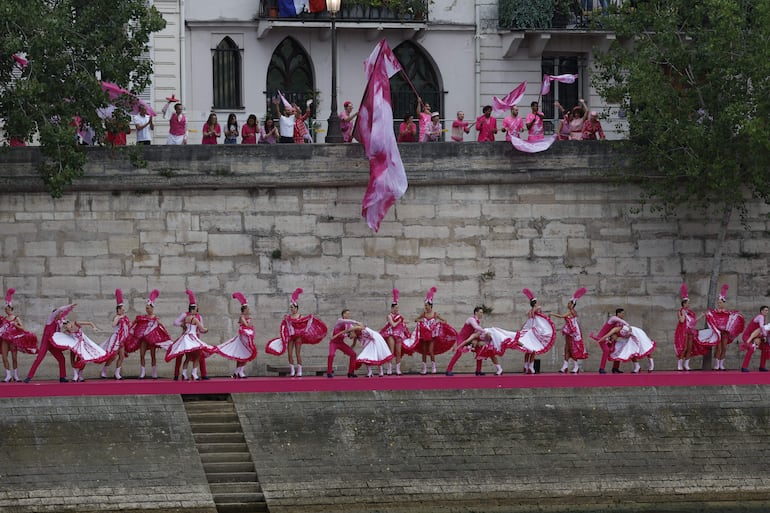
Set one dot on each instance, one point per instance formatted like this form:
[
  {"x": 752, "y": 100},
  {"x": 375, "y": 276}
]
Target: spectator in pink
[
  {"x": 268, "y": 134},
  {"x": 346, "y": 122},
  {"x": 211, "y": 130},
  {"x": 513, "y": 125},
  {"x": 300, "y": 128},
  {"x": 534, "y": 123},
  {"x": 407, "y": 130},
  {"x": 592, "y": 128},
  {"x": 435, "y": 128},
  {"x": 177, "y": 126},
  {"x": 486, "y": 125},
  {"x": 423, "y": 117},
  {"x": 250, "y": 130},
  {"x": 562, "y": 132},
  {"x": 460, "y": 127}
]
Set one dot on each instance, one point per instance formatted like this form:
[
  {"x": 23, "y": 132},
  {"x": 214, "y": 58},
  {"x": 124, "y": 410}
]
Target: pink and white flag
[
  {"x": 20, "y": 61},
  {"x": 509, "y": 100},
  {"x": 533, "y": 146},
  {"x": 285, "y": 102},
  {"x": 374, "y": 128},
  {"x": 547, "y": 79}
]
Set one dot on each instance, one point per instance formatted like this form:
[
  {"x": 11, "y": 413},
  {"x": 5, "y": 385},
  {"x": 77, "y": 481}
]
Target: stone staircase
[{"x": 224, "y": 453}]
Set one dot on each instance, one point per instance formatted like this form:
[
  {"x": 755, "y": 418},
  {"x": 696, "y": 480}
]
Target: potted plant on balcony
[
  {"x": 562, "y": 10},
  {"x": 525, "y": 14}
]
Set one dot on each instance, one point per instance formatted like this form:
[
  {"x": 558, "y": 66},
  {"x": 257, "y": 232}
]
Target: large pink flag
[
  {"x": 509, "y": 100},
  {"x": 547, "y": 79},
  {"x": 374, "y": 128},
  {"x": 527, "y": 146}
]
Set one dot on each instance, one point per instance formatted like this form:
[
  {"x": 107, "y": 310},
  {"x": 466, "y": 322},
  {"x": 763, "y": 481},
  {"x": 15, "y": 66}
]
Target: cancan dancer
[
  {"x": 189, "y": 345},
  {"x": 13, "y": 338},
  {"x": 723, "y": 327},
  {"x": 574, "y": 347},
  {"x": 374, "y": 350},
  {"x": 536, "y": 336},
  {"x": 755, "y": 337},
  {"x": 686, "y": 341},
  {"x": 433, "y": 334},
  {"x": 82, "y": 349},
  {"x": 47, "y": 346},
  {"x": 344, "y": 328},
  {"x": 630, "y": 343},
  {"x": 240, "y": 348},
  {"x": 395, "y": 332},
  {"x": 295, "y": 331},
  {"x": 473, "y": 338},
  {"x": 148, "y": 333},
  {"x": 115, "y": 346}
]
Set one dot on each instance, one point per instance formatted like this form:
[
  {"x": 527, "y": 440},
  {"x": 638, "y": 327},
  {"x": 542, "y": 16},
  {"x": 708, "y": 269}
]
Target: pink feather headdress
[
  {"x": 395, "y": 296},
  {"x": 153, "y": 296},
  {"x": 119, "y": 297},
  {"x": 190, "y": 297},
  {"x": 683, "y": 291},
  {"x": 430, "y": 294},
  {"x": 240, "y": 297},
  {"x": 9, "y": 297},
  {"x": 295, "y": 296},
  {"x": 578, "y": 294},
  {"x": 723, "y": 292},
  {"x": 530, "y": 295}
]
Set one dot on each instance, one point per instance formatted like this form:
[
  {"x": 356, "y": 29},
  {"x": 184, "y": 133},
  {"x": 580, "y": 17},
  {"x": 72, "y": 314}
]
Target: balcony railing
[
  {"x": 413, "y": 11},
  {"x": 547, "y": 14}
]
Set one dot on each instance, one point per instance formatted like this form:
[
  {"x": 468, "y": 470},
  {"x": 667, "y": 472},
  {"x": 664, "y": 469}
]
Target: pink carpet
[{"x": 103, "y": 387}]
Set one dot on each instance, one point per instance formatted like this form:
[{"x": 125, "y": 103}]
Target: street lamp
[{"x": 333, "y": 134}]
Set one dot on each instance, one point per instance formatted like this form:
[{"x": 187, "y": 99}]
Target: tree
[
  {"x": 71, "y": 45},
  {"x": 693, "y": 79}
]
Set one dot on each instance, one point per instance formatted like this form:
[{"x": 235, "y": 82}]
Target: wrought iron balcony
[
  {"x": 412, "y": 11},
  {"x": 548, "y": 14}
]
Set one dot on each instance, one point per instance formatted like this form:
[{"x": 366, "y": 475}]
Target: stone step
[
  {"x": 213, "y": 416},
  {"x": 216, "y": 427},
  {"x": 208, "y": 406},
  {"x": 230, "y": 498},
  {"x": 225, "y": 457},
  {"x": 222, "y": 447},
  {"x": 238, "y": 487},
  {"x": 219, "y": 438},
  {"x": 232, "y": 477},
  {"x": 228, "y": 467},
  {"x": 257, "y": 507}
]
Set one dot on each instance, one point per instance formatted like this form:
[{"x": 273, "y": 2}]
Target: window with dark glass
[
  {"x": 421, "y": 71},
  {"x": 291, "y": 72},
  {"x": 226, "y": 65}
]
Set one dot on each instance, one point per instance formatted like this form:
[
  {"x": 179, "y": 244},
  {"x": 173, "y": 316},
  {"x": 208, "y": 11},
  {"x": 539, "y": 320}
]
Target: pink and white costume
[
  {"x": 240, "y": 348},
  {"x": 443, "y": 335},
  {"x": 513, "y": 127},
  {"x": 399, "y": 332},
  {"x": 309, "y": 329},
  {"x": 537, "y": 336},
  {"x": 120, "y": 334},
  {"x": 730, "y": 322},
  {"x": 487, "y": 128},
  {"x": 537, "y": 129},
  {"x": 83, "y": 347},
  {"x": 632, "y": 343},
  {"x": 148, "y": 329},
  {"x": 757, "y": 323},
  {"x": 46, "y": 343},
  {"x": 375, "y": 350},
  {"x": 24, "y": 341},
  {"x": 189, "y": 342}
]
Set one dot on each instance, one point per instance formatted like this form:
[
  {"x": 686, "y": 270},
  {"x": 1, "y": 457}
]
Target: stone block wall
[
  {"x": 524, "y": 450},
  {"x": 94, "y": 454},
  {"x": 479, "y": 222}
]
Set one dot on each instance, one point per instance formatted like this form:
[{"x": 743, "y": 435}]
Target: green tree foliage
[
  {"x": 693, "y": 80},
  {"x": 70, "y": 45}
]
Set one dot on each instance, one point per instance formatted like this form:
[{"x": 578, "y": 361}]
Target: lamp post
[{"x": 333, "y": 134}]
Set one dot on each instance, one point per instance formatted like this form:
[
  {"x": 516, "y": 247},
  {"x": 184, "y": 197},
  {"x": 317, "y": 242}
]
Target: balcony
[
  {"x": 552, "y": 14},
  {"x": 360, "y": 11}
]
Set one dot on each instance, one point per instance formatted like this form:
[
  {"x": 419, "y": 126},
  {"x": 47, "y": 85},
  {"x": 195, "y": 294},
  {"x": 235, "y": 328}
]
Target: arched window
[
  {"x": 422, "y": 72},
  {"x": 291, "y": 72},
  {"x": 226, "y": 66}
]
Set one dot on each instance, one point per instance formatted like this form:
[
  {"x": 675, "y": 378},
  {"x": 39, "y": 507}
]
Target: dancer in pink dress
[
  {"x": 240, "y": 348},
  {"x": 295, "y": 331},
  {"x": 686, "y": 342},
  {"x": 723, "y": 327},
  {"x": 47, "y": 346},
  {"x": 536, "y": 336},
  {"x": 434, "y": 335},
  {"x": 148, "y": 333},
  {"x": 395, "y": 332},
  {"x": 472, "y": 337},
  {"x": 345, "y": 327},
  {"x": 116, "y": 344},
  {"x": 574, "y": 348},
  {"x": 82, "y": 349},
  {"x": 189, "y": 345},
  {"x": 13, "y": 338},
  {"x": 630, "y": 343},
  {"x": 755, "y": 337}
]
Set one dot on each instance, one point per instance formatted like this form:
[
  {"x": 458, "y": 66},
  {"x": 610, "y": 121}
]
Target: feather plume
[
  {"x": 395, "y": 296},
  {"x": 153, "y": 296},
  {"x": 430, "y": 294},
  {"x": 578, "y": 294},
  {"x": 295, "y": 295},
  {"x": 9, "y": 296},
  {"x": 530, "y": 295},
  {"x": 190, "y": 297},
  {"x": 240, "y": 297},
  {"x": 723, "y": 292},
  {"x": 683, "y": 291},
  {"x": 119, "y": 297}
]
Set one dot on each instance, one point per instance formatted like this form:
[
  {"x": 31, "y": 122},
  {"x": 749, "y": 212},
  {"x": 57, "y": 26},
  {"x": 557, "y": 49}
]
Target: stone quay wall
[{"x": 479, "y": 222}]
